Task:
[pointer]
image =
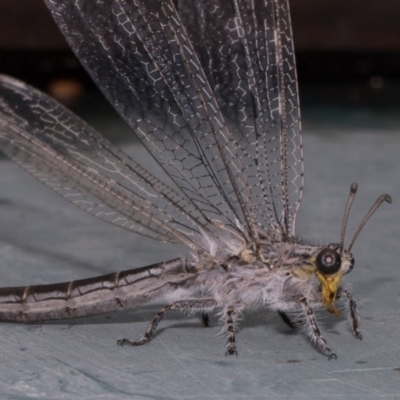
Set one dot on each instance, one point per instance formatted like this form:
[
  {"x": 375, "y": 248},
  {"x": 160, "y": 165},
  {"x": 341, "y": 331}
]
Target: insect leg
[
  {"x": 230, "y": 331},
  {"x": 285, "y": 318},
  {"x": 354, "y": 314},
  {"x": 176, "y": 305},
  {"x": 291, "y": 324},
  {"x": 205, "y": 319},
  {"x": 315, "y": 333}
]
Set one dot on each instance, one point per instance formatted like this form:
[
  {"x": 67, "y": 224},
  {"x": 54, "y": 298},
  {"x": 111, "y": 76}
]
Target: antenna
[
  {"x": 368, "y": 215},
  {"x": 353, "y": 191}
]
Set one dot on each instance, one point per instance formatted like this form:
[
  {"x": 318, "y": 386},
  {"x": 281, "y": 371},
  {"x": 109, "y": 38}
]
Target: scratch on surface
[
  {"x": 360, "y": 370},
  {"x": 195, "y": 377},
  {"x": 105, "y": 385},
  {"x": 344, "y": 379}
]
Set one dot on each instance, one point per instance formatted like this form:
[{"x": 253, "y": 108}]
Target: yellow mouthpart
[{"x": 330, "y": 286}]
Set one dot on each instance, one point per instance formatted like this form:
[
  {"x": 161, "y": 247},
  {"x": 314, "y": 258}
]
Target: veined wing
[
  {"x": 75, "y": 161},
  {"x": 246, "y": 49},
  {"x": 139, "y": 54}
]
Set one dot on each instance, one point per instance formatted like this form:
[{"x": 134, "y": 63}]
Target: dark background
[{"x": 348, "y": 53}]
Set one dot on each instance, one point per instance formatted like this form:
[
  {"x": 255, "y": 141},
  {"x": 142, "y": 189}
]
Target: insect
[{"x": 210, "y": 89}]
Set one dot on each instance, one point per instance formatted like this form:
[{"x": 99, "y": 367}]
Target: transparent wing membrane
[
  {"x": 75, "y": 161},
  {"x": 246, "y": 50},
  {"x": 141, "y": 57},
  {"x": 210, "y": 89}
]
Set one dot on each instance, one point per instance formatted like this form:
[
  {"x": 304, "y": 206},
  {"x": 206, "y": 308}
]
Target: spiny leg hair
[
  {"x": 177, "y": 305},
  {"x": 316, "y": 336},
  {"x": 354, "y": 314}
]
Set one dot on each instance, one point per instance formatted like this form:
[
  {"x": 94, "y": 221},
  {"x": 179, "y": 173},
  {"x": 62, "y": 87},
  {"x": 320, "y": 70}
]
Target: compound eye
[{"x": 328, "y": 261}]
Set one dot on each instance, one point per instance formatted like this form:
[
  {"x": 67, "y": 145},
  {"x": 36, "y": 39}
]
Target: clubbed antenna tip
[
  {"x": 386, "y": 198},
  {"x": 353, "y": 188},
  {"x": 381, "y": 199},
  {"x": 353, "y": 191}
]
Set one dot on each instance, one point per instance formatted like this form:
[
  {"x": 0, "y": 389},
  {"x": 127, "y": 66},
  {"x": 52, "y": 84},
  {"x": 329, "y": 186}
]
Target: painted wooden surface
[{"x": 44, "y": 239}]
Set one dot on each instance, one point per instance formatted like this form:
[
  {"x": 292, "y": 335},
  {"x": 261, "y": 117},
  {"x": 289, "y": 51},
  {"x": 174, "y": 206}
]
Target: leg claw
[
  {"x": 231, "y": 352},
  {"x": 122, "y": 342}
]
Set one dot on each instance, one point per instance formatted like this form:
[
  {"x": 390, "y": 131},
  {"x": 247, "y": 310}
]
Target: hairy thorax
[{"x": 277, "y": 275}]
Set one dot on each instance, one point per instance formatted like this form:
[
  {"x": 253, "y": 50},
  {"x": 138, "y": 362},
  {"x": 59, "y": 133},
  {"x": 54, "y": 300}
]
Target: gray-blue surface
[{"x": 44, "y": 239}]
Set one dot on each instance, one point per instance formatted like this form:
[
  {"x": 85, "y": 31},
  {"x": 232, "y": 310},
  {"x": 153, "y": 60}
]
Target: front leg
[
  {"x": 200, "y": 304},
  {"x": 315, "y": 333},
  {"x": 354, "y": 314}
]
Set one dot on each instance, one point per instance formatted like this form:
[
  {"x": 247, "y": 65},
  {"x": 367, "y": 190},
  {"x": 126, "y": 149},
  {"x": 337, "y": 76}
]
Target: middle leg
[{"x": 230, "y": 330}]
